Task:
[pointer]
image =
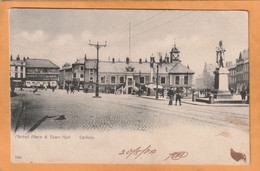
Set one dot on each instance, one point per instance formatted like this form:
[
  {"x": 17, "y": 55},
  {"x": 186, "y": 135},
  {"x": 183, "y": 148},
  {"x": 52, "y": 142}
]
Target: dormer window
[{"x": 130, "y": 69}]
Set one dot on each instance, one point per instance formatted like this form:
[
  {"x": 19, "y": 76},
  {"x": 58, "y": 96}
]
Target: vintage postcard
[{"x": 129, "y": 86}]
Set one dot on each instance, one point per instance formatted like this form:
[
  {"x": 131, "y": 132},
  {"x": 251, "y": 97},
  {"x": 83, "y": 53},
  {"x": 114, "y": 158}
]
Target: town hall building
[{"x": 128, "y": 76}]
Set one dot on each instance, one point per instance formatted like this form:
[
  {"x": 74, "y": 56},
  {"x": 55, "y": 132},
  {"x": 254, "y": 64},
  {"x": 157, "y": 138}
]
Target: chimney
[
  {"x": 127, "y": 60},
  {"x": 113, "y": 60},
  {"x": 188, "y": 66},
  {"x": 23, "y": 58},
  {"x": 18, "y": 58},
  {"x": 85, "y": 58},
  {"x": 161, "y": 61},
  {"x": 166, "y": 58},
  {"x": 145, "y": 60},
  {"x": 140, "y": 61},
  {"x": 152, "y": 59},
  {"x": 11, "y": 58},
  {"x": 27, "y": 57}
]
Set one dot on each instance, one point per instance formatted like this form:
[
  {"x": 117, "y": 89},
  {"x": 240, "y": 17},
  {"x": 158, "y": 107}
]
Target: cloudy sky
[{"x": 62, "y": 35}]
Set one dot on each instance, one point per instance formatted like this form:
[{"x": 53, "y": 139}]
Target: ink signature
[
  {"x": 137, "y": 152},
  {"x": 177, "y": 155}
]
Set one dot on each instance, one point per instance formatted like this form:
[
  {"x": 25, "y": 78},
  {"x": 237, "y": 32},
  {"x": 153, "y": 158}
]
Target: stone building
[
  {"x": 239, "y": 73},
  {"x": 206, "y": 79},
  {"x": 128, "y": 76},
  {"x": 17, "y": 71},
  {"x": 65, "y": 75},
  {"x": 41, "y": 72}
]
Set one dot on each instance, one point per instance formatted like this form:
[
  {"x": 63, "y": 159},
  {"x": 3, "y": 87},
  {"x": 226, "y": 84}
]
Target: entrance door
[
  {"x": 129, "y": 90},
  {"x": 130, "y": 81}
]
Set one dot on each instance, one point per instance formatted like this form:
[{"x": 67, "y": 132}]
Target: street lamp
[
  {"x": 157, "y": 81},
  {"x": 187, "y": 84}
]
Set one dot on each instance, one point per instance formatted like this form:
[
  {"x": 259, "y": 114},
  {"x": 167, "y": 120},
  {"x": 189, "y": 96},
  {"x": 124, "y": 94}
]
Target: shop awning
[{"x": 153, "y": 86}]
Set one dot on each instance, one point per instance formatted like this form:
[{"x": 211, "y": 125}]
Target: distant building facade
[
  {"x": 33, "y": 72},
  {"x": 128, "y": 76},
  {"x": 17, "y": 71},
  {"x": 41, "y": 72},
  {"x": 206, "y": 79},
  {"x": 239, "y": 73}
]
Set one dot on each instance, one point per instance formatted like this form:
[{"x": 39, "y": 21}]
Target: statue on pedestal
[
  {"x": 220, "y": 55},
  {"x": 221, "y": 90}
]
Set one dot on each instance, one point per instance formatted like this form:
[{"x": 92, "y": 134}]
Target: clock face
[{"x": 175, "y": 55}]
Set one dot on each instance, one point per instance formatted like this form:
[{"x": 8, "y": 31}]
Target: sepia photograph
[{"x": 129, "y": 86}]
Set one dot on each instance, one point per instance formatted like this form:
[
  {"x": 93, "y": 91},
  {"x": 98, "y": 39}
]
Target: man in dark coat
[
  {"x": 171, "y": 95},
  {"x": 178, "y": 96},
  {"x": 243, "y": 94}
]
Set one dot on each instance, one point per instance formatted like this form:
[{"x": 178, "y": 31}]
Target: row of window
[
  {"x": 16, "y": 75},
  {"x": 91, "y": 71},
  {"x": 242, "y": 77},
  {"x": 16, "y": 68},
  {"x": 75, "y": 75},
  {"x": 141, "y": 79},
  {"x": 41, "y": 70},
  {"x": 177, "y": 79}
]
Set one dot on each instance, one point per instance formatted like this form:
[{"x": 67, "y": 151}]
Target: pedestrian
[
  {"x": 35, "y": 90},
  {"x": 45, "y": 87},
  {"x": 178, "y": 96},
  {"x": 72, "y": 89},
  {"x": 162, "y": 93},
  {"x": 243, "y": 94},
  {"x": 67, "y": 89},
  {"x": 53, "y": 88},
  {"x": 170, "y": 95}
]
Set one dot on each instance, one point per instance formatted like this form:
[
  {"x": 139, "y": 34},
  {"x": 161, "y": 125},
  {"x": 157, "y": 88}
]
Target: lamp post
[
  {"x": 97, "y": 46},
  {"x": 187, "y": 84},
  {"x": 157, "y": 81}
]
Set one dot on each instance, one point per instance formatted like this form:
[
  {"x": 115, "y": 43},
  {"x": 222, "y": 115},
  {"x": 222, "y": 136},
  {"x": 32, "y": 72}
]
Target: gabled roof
[
  {"x": 40, "y": 63},
  {"x": 91, "y": 64},
  {"x": 79, "y": 61},
  {"x": 120, "y": 67},
  {"x": 179, "y": 68},
  {"x": 166, "y": 67}
]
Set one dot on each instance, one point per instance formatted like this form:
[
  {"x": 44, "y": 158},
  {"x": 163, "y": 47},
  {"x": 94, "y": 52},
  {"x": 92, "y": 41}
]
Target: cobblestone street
[
  {"x": 124, "y": 112},
  {"x": 207, "y": 133}
]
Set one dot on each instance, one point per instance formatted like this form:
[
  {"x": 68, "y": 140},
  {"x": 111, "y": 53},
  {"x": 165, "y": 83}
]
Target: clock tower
[{"x": 174, "y": 54}]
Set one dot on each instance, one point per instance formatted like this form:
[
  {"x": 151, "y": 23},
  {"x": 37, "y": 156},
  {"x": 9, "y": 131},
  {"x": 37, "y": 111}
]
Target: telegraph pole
[
  {"x": 157, "y": 80},
  {"x": 129, "y": 40},
  {"x": 97, "y": 46}
]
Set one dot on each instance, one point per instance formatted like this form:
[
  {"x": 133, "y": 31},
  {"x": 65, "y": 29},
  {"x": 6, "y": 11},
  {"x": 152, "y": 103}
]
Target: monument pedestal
[{"x": 221, "y": 90}]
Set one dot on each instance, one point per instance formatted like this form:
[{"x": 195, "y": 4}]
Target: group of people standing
[
  {"x": 71, "y": 88},
  {"x": 171, "y": 94}
]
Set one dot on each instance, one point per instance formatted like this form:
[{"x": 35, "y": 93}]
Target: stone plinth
[{"x": 221, "y": 90}]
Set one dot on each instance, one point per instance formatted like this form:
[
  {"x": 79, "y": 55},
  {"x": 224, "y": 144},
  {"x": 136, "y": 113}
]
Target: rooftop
[
  {"x": 17, "y": 62},
  {"x": 40, "y": 63}
]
